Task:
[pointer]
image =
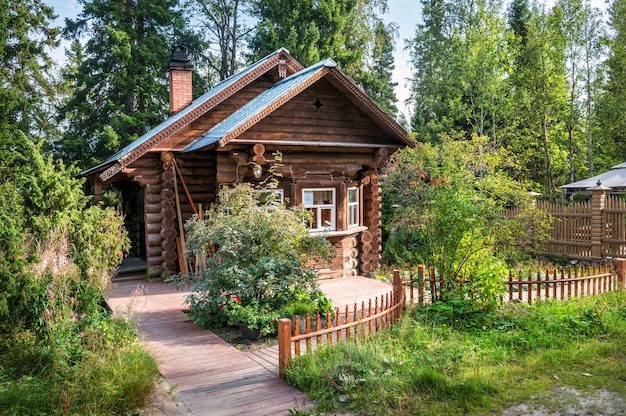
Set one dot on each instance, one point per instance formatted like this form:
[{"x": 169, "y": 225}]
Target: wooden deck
[{"x": 212, "y": 377}]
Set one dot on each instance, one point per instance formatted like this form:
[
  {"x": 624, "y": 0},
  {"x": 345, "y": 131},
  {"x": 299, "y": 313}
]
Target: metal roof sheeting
[
  {"x": 615, "y": 178},
  {"x": 174, "y": 118},
  {"x": 257, "y": 105}
]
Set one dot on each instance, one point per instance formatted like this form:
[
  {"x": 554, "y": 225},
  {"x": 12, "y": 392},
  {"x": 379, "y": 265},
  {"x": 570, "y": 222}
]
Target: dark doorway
[{"x": 134, "y": 219}]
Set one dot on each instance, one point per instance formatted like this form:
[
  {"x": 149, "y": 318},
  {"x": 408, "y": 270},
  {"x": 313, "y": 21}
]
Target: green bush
[
  {"x": 261, "y": 257},
  {"x": 61, "y": 351}
]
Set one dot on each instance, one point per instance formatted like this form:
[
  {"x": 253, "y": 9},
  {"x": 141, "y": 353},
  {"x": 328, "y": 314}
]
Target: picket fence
[
  {"x": 359, "y": 320},
  {"x": 421, "y": 286}
]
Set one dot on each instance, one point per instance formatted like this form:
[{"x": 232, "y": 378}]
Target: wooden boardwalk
[{"x": 210, "y": 376}]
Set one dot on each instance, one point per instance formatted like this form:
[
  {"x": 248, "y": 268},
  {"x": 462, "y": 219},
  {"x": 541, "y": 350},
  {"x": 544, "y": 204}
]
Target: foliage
[
  {"x": 475, "y": 364},
  {"x": 66, "y": 349},
  {"x": 309, "y": 304},
  {"x": 222, "y": 29},
  {"x": 350, "y": 32},
  {"x": 612, "y": 98},
  {"x": 442, "y": 207},
  {"x": 25, "y": 87},
  {"x": 253, "y": 315},
  {"x": 261, "y": 256},
  {"x": 59, "y": 347},
  {"x": 118, "y": 90}
]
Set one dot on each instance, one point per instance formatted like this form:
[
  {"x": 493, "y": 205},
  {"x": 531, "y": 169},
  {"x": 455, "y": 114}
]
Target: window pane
[
  {"x": 322, "y": 197},
  {"x": 353, "y": 195},
  {"x": 327, "y": 217},
  {"x": 353, "y": 215}
]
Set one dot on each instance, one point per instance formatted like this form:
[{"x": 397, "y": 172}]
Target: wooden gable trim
[
  {"x": 369, "y": 104},
  {"x": 187, "y": 119},
  {"x": 273, "y": 106}
]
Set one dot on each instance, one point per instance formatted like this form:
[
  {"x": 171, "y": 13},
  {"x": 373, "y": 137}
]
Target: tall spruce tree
[
  {"x": 120, "y": 89},
  {"x": 310, "y": 30},
  {"x": 347, "y": 31},
  {"x": 376, "y": 79},
  {"x": 25, "y": 86},
  {"x": 612, "y": 101}
]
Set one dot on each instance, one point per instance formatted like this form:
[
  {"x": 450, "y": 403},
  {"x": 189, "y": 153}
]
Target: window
[
  {"x": 353, "y": 207},
  {"x": 321, "y": 203}
]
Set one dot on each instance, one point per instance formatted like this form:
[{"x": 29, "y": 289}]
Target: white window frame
[
  {"x": 308, "y": 203},
  {"x": 353, "y": 208}
]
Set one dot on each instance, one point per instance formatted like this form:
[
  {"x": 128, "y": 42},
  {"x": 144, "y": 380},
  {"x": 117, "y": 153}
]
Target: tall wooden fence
[
  {"x": 360, "y": 320},
  {"x": 590, "y": 230}
]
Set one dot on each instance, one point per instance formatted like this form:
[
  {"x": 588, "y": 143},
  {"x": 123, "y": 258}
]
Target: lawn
[{"x": 478, "y": 363}]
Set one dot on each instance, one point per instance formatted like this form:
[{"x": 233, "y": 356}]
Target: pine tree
[
  {"x": 376, "y": 79},
  {"x": 120, "y": 89},
  {"x": 345, "y": 31},
  {"x": 25, "y": 32}
]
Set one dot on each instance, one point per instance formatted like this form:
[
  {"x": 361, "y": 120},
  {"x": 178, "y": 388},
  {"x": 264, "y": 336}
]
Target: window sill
[{"x": 340, "y": 233}]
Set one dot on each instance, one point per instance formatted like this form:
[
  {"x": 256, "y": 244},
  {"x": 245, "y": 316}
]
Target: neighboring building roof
[
  {"x": 615, "y": 178},
  {"x": 196, "y": 109}
]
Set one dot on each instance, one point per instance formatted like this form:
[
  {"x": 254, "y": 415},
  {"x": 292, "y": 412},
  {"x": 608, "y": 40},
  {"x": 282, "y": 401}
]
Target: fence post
[
  {"x": 621, "y": 272},
  {"x": 284, "y": 345},
  {"x": 398, "y": 289},
  {"x": 598, "y": 200}
]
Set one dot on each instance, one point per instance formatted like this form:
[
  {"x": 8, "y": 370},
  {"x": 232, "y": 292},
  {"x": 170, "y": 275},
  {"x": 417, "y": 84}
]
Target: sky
[{"x": 406, "y": 13}]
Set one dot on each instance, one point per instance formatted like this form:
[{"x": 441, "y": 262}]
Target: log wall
[
  {"x": 371, "y": 240},
  {"x": 147, "y": 172}
]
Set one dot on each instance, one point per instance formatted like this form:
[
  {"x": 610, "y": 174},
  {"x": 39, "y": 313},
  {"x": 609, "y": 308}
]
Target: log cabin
[{"x": 332, "y": 137}]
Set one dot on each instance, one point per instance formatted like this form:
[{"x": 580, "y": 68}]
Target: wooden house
[{"x": 333, "y": 139}]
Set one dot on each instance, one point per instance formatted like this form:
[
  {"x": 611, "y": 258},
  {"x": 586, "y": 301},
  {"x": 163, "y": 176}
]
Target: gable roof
[
  {"x": 189, "y": 114},
  {"x": 281, "y": 92},
  {"x": 615, "y": 178},
  {"x": 254, "y": 111}
]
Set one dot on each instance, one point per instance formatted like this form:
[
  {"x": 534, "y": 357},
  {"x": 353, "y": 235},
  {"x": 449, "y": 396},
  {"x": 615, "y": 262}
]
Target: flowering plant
[{"x": 253, "y": 315}]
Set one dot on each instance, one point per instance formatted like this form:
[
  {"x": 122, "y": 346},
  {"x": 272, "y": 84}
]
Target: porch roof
[{"x": 615, "y": 178}]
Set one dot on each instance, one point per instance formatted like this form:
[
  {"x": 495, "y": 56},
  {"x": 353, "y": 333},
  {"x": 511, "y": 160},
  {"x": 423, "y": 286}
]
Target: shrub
[{"x": 261, "y": 256}]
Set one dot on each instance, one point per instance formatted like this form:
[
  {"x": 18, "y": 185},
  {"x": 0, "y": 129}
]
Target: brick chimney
[{"x": 180, "y": 69}]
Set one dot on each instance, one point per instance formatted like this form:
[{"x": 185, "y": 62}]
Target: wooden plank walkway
[{"x": 212, "y": 377}]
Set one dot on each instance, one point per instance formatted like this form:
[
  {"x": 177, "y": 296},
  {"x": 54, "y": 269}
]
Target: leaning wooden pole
[
  {"x": 182, "y": 181},
  {"x": 181, "y": 252}
]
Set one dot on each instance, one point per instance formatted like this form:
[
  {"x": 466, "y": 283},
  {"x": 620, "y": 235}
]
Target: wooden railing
[
  {"x": 369, "y": 318},
  {"x": 422, "y": 285},
  {"x": 564, "y": 283}
]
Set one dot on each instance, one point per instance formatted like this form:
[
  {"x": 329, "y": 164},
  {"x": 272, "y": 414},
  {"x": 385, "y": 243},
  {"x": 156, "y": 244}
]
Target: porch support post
[
  {"x": 97, "y": 190},
  {"x": 598, "y": 200}
]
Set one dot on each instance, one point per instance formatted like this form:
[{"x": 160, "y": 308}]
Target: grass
[
  {"x": 481, "y": 364},
  {"x": 107, "y": 380}
]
